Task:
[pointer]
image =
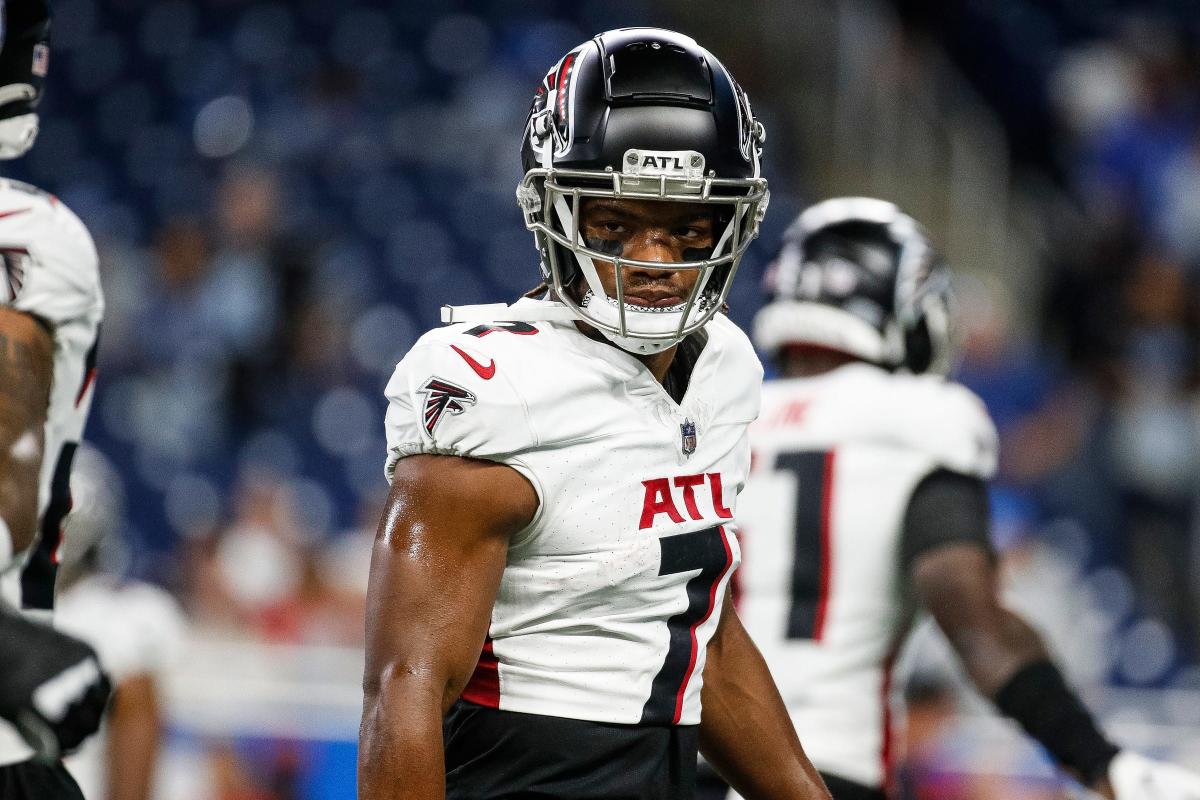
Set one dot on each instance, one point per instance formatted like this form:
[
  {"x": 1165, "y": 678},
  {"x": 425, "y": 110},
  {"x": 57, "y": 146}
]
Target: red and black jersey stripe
[{"x": 40, "y": 571}]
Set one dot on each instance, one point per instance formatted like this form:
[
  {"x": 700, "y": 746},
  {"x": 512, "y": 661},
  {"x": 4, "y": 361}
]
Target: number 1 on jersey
[{"x": 812, "y": 559}]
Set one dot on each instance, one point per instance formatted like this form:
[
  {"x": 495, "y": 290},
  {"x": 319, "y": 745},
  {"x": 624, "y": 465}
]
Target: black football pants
[
  {"x": 505, "y": 755},
  {"x": 33, "y": 780}
]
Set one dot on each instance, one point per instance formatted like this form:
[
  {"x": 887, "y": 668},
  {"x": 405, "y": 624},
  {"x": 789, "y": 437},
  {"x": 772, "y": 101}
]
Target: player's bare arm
[
  {"x": 134, "y": 735},
  {"x": 439, "y": 554},
  {"x": 745, "y": 730},
  {"x": 1006, "y": 658},
  {"x": 26, "y": 367},
  {"x": 959, "y": 585}
]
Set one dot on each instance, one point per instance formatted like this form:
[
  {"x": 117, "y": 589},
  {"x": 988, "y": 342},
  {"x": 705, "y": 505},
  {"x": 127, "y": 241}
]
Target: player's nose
[{"x": 653, "y": 245}]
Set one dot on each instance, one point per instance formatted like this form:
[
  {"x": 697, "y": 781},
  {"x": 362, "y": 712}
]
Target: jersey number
[
  {"x": 519, "y": 328},
  {"x": 812, "y": 559},
  {"x": 708, "y": 551}
]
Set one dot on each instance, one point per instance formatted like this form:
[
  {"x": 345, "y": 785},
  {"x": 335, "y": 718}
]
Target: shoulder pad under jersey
[
  {"x": 944, "y": 419},
  {"x": 863, "y": 403}
]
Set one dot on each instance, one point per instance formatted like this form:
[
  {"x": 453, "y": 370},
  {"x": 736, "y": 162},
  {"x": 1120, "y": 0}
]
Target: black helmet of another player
[
  {"x": 641, "y": 114},
  {"x": 24, "y": 59},
  {"x": 858, "y": 276},
  {"x": 92, "y": 535}
]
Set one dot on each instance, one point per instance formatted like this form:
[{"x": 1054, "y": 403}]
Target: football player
[
  {"x": 51, "y": 687},
  {"x": 547, "y": 611},
  {"x": 137, "y": 629},
  {"x": 870, "y": 489}
]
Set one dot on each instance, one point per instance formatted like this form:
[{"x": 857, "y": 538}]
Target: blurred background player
[
  {"x": 137, "y": 629},
  {"x": 51, "y": 686},
  {"x": 546, "y": 611},
  {"x": 869, "y": 497}
]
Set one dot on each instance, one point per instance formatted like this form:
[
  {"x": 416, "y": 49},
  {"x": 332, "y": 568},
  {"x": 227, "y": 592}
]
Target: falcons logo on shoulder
[
  {"x": 12, "y": 270},
  {"x": 442, "y": 396}
]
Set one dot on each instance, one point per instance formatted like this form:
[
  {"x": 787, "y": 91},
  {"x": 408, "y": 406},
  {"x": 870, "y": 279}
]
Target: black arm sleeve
[
  {"x": 945, "y": 508},
  {"x": 1038, "y": 697}
]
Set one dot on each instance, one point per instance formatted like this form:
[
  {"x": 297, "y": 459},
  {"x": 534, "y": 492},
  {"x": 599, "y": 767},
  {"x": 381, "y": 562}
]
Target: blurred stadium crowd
[
  {"x": 1097, "y": 403},
  {"x": 285, "y": 193}
]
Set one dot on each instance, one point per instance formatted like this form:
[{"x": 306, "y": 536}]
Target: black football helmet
[
  {"x": 645, "y": 114},
  {"x": 24, "y": 59},
  {"x": 859, "y": 276}
]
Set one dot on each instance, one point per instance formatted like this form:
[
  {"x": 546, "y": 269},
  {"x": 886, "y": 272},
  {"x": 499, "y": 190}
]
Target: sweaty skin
[
  {"x": 435, "y": 571},
  {"x": 26, "y": 369},
  {"x": 134, "y": 721},
  {"x": 440, "y": 552}
]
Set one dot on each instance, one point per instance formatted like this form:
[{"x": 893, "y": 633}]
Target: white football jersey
[
  {"x": 610, "y": 596},
  {"x": 49, "y": 268},
  {"x": 836, "y": 459},
  {"x": 137, "y": 630}
]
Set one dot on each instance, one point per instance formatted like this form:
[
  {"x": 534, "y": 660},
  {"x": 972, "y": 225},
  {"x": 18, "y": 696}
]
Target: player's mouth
[{"x": 653, "y": 299}]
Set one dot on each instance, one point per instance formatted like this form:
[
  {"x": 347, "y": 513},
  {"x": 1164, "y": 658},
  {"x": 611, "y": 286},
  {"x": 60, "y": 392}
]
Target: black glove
[{"x": 51, "y": 685}]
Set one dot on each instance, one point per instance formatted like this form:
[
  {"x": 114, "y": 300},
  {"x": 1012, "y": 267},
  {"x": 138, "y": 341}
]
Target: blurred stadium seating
[{"x": 284, "y": 193}]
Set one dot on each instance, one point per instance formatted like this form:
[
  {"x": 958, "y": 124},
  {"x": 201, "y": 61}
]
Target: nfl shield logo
[
  {"x": 41, "y": 60},
  {"x": 687, "y": 430}
]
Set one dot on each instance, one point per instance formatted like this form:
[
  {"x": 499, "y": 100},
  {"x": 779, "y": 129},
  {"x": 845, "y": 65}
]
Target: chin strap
[
  {"x": 563, "y": 209},
  {"x": 541, "y": 312},
  {"x": 502, "y": 312}
]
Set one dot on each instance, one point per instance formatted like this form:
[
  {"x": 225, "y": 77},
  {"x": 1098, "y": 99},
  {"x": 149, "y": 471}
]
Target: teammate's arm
[
  {"x": 745, "y": 730},
  {"x": 134, "y": 732},
  {"x": 26, "y": 367},
  {"x": 954, "y": 573},
  {"x": 439, "y": 554}
]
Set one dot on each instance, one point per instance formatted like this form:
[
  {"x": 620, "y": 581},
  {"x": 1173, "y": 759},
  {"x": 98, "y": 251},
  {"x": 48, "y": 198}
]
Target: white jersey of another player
[
  {"x": 836, "y": 459},
  {"x": 137, "y": 630},
  {"x": 610, "y": 595},
  {"x": 49, "y": 269}
]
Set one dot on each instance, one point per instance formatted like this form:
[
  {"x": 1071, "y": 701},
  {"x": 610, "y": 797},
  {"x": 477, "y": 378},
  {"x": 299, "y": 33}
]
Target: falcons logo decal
[
  {"x": 12, "y": 268},
  {"x": 442, "y": 396}
]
